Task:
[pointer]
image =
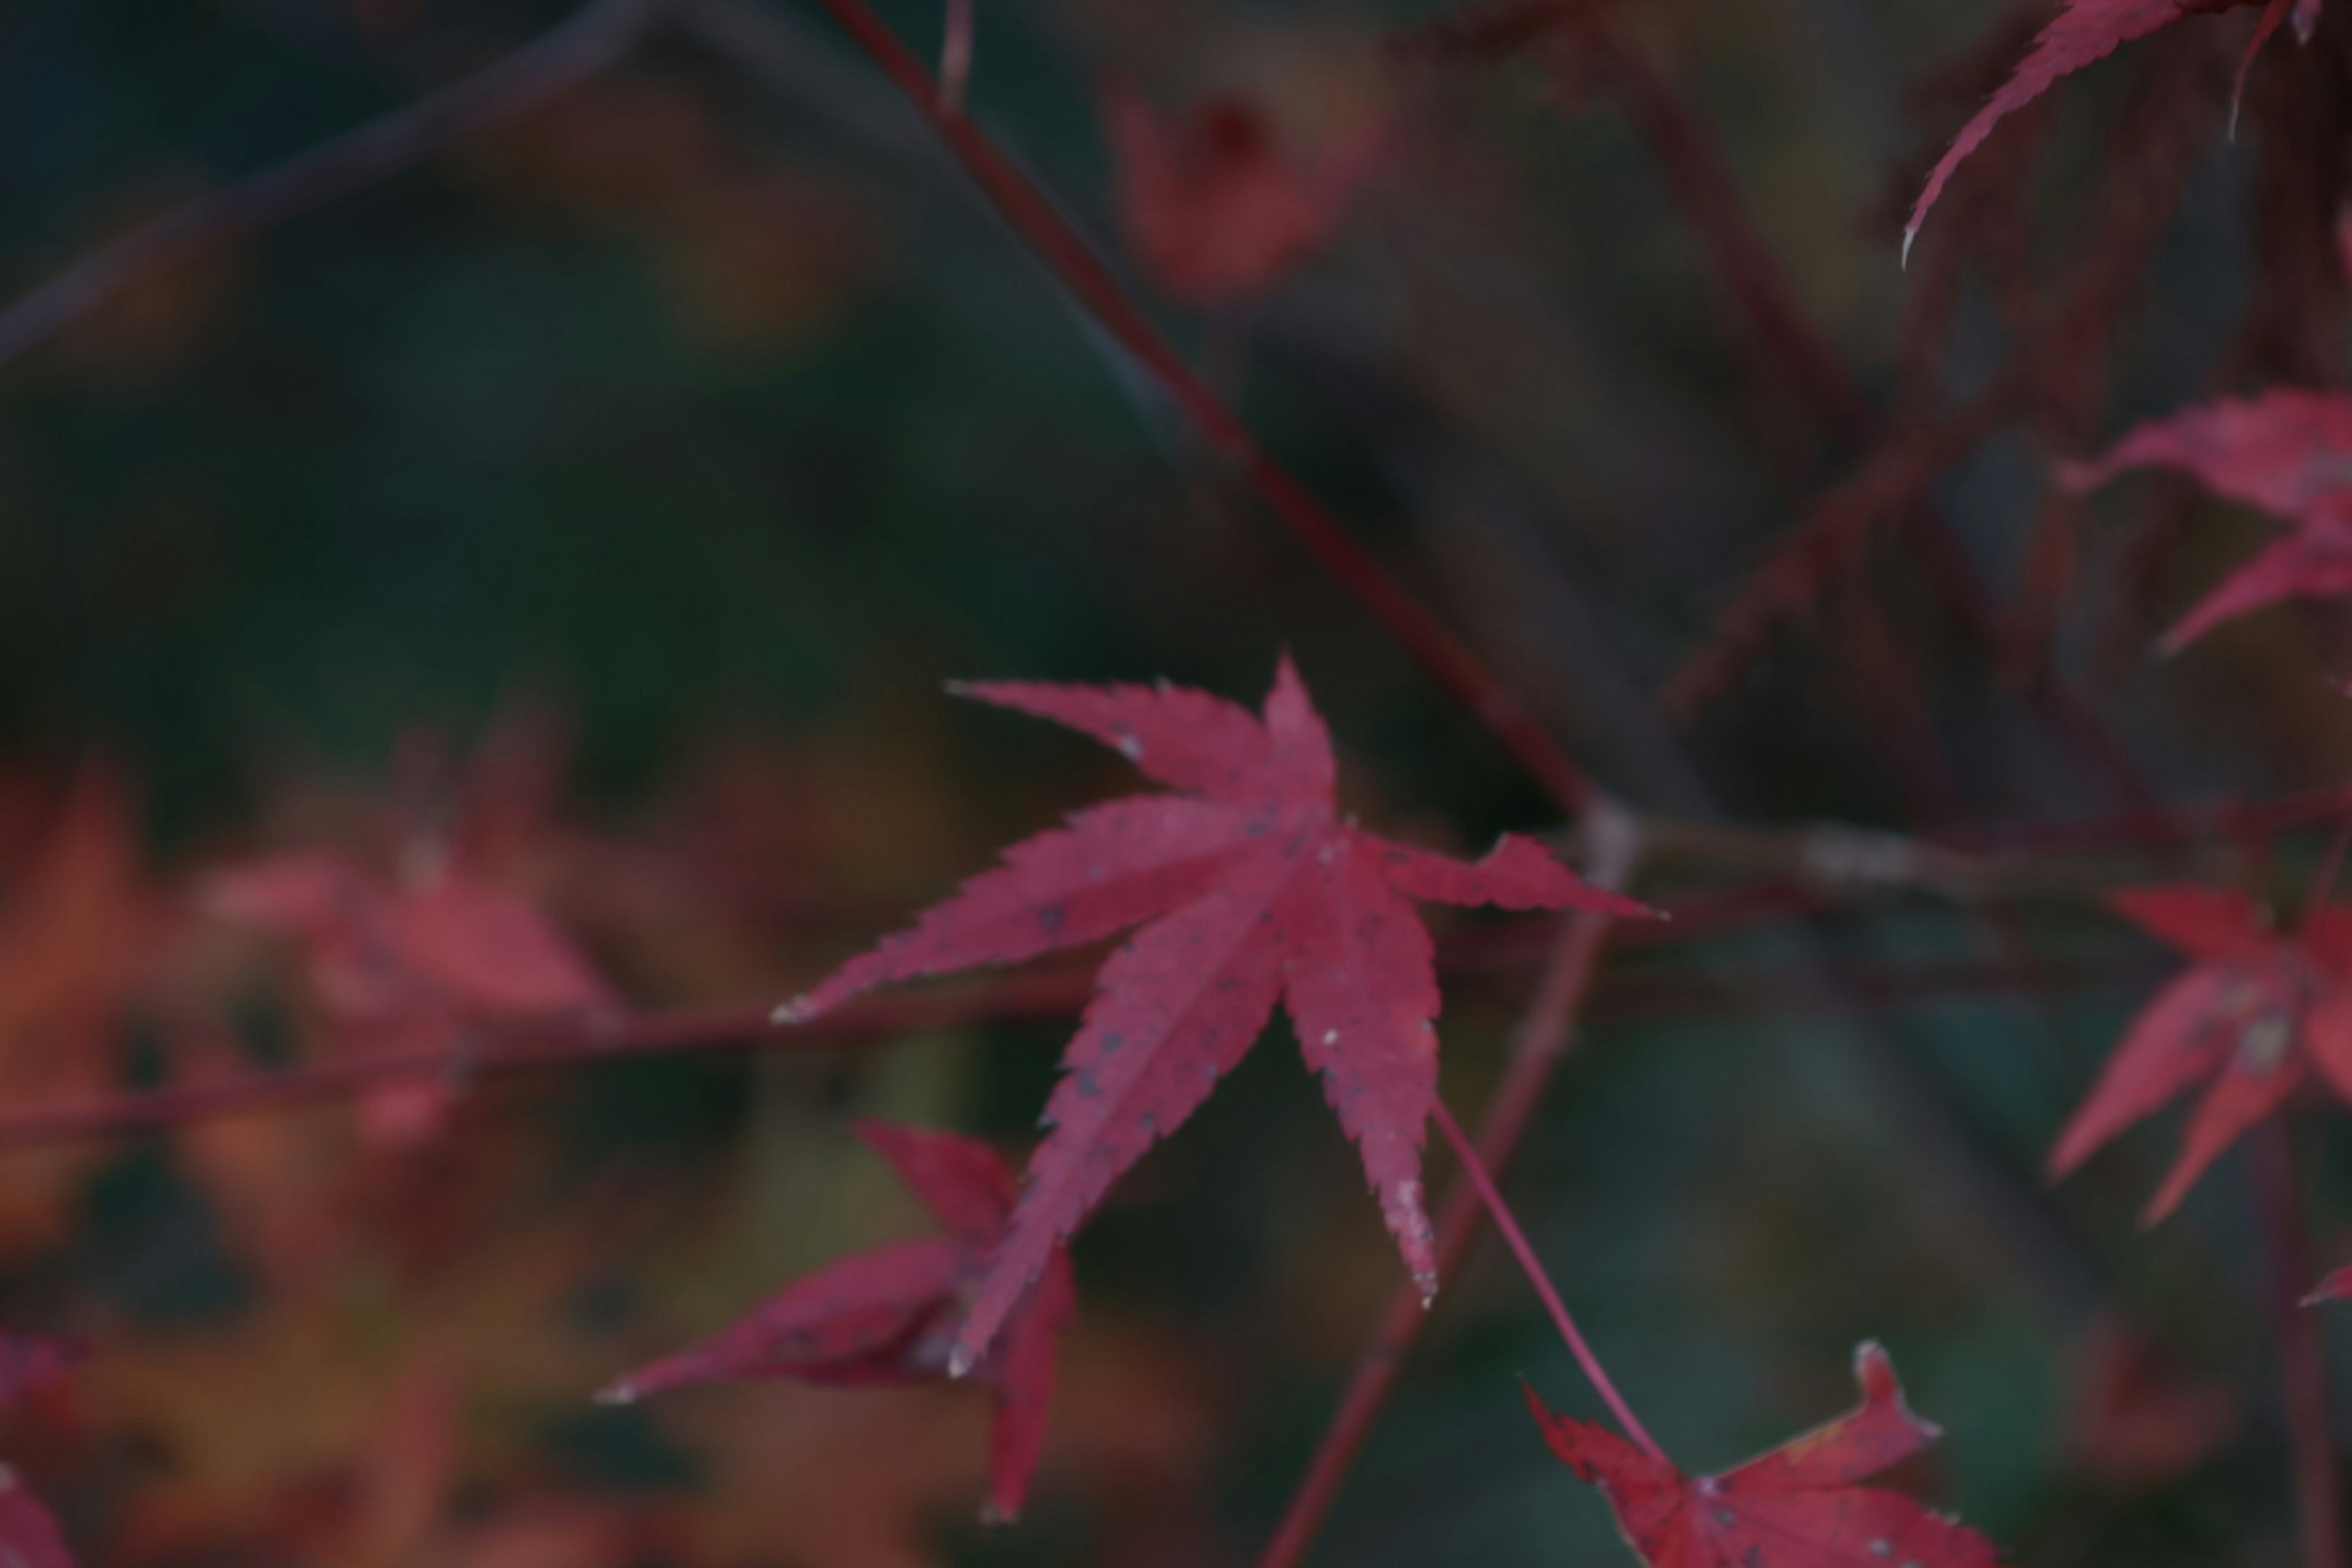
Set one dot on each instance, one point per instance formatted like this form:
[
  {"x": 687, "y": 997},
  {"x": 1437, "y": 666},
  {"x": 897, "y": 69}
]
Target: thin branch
[
  {"x": 1771, "y": 876},
  {"x": 1541, "y": 1043},
  {"x": 2303, "y": 1362},
  {"x": 1034, "y": 216},
  {"x": 558, "y": 1043},
  {"x": 563, "y": 57},
  {"x": 2163, "y": 142}
]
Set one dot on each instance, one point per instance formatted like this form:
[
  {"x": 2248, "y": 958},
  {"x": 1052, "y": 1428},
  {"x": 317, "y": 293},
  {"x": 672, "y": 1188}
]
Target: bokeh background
[{"x": 614, "y": 489}]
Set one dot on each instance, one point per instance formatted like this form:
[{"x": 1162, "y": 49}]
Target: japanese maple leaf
[
  {"x": 1212, "y": 206},
  {"x": 1796, "y": 1507},
  {"x": 1250, "y": 890},
  {"x": 2288, "y": 451},
  {"x": 30, "y": 1364},
  {"x": 2257, "y": 1010},
  {"x": 2135, "y": 1420},
  {"x": 409, "y": 966},
  {"x": 28, "y": 1533},
  {"x": 888, "y": 1317},
  {"x": 447, "y": 940},
  {"x": 2083, "y": 33}
]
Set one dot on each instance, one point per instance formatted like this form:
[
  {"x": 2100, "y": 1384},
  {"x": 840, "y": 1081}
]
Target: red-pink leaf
[
  {"x": 1517, "y": 874},
  {"x": 854, "y": 1321},
  {"x": 889, "y": 1316},
  {"x": 1024, "y": 1379},
  {"x": 1795, "y": 1507},
  {"x": 488, "y": 950},
  {"x": 1211, "y": 206},
  {"x": 2244, "y": 1093},
  {"x": 1188, "y": 740},
  {"x": 2314, "y": 563},
  {"x": 2170, "y": 1047},
  {"x": 1174, "y": 1010},
  {"x": 2083, "y": 33},
  {"x": 2336, "y": 1287},
  {"x": 1363, "y": 996},
  {"x": 1248, "y": 888},
  {"x": 452, "y": 943},
  {"x": 965, "y": 1184},
  {"x": 1113, "y": 867},
  {"x": 2253, "y": 1014},
  {"x": 2289, "y": 452},
  {"x": 2203, "y": 922},
  {"x": 2273, "y": 17},
  {"x": 29, "y": 1534},
  {"x": 32, "y": 1364}
]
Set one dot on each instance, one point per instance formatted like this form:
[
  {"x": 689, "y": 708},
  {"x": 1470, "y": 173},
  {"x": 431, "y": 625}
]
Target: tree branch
[
  {"x": 591, "y": 41},
  {"x": 1033, "y": 216}
]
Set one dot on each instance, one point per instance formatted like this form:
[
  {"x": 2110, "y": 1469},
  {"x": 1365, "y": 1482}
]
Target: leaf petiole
[{"x": 1475, "y": 1169}]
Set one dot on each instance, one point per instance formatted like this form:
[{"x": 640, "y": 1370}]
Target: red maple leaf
[
  {"x": 1255, "y": 892},
  {"x": 448, "y": 940},
  {"x": 29, "y": 1534},
  {"x": 1796, "y": 1507},
  {"x": 409, "y": 966},
  {"x": 1212, "y": 206},
  {"x": 888, "y": 1317},
  {"x": 33, "y": 1365},
  {"x": 2254, "y": 1012},
  {"x": 2135, "y": 1420},
  {"x": 30, "y": 1365},
  {"x": 2288, "y": 451},
  {"x": 2083, "y": 33}
]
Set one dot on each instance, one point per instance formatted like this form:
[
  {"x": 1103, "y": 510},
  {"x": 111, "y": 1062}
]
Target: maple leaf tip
[
  {"x": 789, "y": 1012},
  {"x": 991, "y": 1515},
  {"x": 616, "y": 1394},
  {"x": 1910, "y": 236},
  {"x": 962, "y": 1360}
]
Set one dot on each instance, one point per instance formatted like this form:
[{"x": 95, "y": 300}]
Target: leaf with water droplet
[{"x": 1250, "y": 891}]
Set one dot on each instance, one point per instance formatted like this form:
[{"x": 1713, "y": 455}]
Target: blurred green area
[{"x": 709, "y": 417}]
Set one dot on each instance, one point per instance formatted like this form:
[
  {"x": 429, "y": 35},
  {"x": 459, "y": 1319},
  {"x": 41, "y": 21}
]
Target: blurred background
[{"x": 598, "y": 501}]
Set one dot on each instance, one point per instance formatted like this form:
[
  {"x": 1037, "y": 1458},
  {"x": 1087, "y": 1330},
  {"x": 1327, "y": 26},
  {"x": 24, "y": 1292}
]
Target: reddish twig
[
  {"x": 2166, "y": 828},
  {"x": 1711, "y": 202},
  {"x": 1770, "y": 895},
  {"x": 1474, "y": 1171},
  {"x": 589, "y": 42},
  {"x": 1787, "y": 582},
  {"x": 1812, "y": 367},
  {"x": 2303, "y": 1360},
  {"x": 1048, "y": 994},
  {"x": 1040, "y": 223},
  {"x": 1540, "y": 1042}
]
